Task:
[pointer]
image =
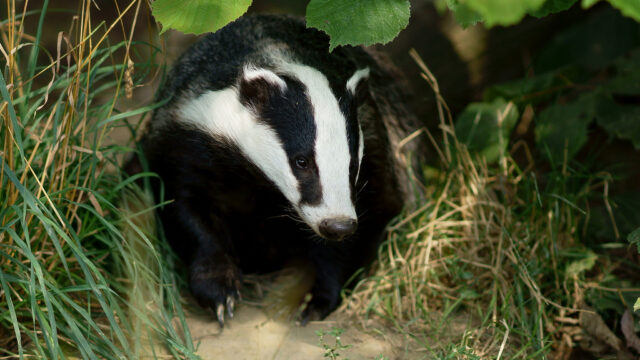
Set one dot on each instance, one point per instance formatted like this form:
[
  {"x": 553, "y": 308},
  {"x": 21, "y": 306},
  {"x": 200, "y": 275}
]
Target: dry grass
[{"x": 491, "y": 264}]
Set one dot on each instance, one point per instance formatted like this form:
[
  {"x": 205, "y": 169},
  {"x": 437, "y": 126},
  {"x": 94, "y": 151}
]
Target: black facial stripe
[
  {"x": 349, "y": 109},
  {"x": 290, "y": 114}
]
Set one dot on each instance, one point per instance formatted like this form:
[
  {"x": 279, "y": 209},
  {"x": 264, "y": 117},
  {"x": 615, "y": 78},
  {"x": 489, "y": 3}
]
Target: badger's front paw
[{"x": 215, "y": 285}]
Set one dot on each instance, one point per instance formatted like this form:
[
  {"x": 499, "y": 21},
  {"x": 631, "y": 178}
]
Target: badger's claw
[
  {"x": 220, "y": 307},
  {"x": 220, "y": 315},
  {"x": 230, "y": 305},
  {"x": 215, "y": 286}
]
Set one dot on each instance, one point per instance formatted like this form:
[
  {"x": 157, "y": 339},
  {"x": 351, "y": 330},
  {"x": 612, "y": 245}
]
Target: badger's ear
[
  {"x": 257, "y": 85},
  {"x": 357, "y": 83}
]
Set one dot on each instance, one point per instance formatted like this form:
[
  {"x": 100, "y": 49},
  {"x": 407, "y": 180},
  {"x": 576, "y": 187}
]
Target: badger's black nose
[{"x": 336, "y": 229}]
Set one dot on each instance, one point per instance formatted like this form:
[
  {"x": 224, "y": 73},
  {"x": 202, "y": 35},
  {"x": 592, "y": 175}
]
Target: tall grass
[
  {"x": 494, "y": 263},
  {"x": 66, "y": 270}
]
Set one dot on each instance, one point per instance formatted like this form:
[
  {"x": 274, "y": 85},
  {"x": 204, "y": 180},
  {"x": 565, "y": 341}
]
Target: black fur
[
  {"x": 289, "y": 112},
  {"x": 226, "y": 217}
]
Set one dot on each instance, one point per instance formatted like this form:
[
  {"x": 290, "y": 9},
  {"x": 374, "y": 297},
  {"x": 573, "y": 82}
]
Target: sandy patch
[{"x": 252, "y": 335}]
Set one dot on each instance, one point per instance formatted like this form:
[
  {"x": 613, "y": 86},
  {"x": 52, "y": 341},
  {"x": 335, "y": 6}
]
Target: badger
[{"x": 270, "y": 147}]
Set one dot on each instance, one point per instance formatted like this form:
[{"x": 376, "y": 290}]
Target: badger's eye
[{"x": 301, "y": 162}]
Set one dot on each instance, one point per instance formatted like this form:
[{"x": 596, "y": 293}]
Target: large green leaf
[
  {"x": 486, "y": 127},
  {"x": 198, "y": 16},
  {"x": 503, "y": 12},
  {"x": 357, "y": 22},
  {"x": 561, "y": 129},
  {"x": 636, "y": 307}
]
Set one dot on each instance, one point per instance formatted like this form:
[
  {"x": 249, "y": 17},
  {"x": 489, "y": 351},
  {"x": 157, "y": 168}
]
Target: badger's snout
[{"x": 337, "y": 228}]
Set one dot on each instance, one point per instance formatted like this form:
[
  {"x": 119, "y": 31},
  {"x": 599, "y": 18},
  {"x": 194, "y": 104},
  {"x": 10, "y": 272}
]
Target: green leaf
[
  {"x": 575, "y": 268},
  {"x": 486, "y": 127},
  {"x": 636, "y": 307},
  {"x": 359, "y": 22},
  {"x": 553, "y": 6},
  {"x": 634, "y": 238},
  {"x": 198, "y": 16},
  {"x": 593, "y": 43},
  {"x": 527, "y": 90},
  {"x": 620, "y": 120},
  {"x": 465, "y": 16},
  {"x": 630, "y": 8},
  {"x": 626, "y": 80},
  {"x": 588, "y": 3},
  {"x": 503, "y": 12},
  {"x": 562, "y": 128}
]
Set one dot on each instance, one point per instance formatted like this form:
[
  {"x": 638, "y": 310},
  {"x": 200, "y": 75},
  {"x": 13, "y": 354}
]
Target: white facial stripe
[
  {"x": 222, "y": 114},
  {"x": 353, "y": 81},
  {"x": 360, "y": 150},
  {"x": 250, "y": 73},
  {"x": 331, "y": 150}
]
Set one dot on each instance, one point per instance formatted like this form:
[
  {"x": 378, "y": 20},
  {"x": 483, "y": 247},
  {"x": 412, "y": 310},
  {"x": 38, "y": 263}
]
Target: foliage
[
  {"x": 355, "y": 22},
  {"x": 331, "y": 351},
  {"x": 571, "y": 91},
  {"x": 367, "y": 22},
  {"x": 499, "y": 12},
  {"x": 198, "y": 16},
  {"x": 485, "y": 127},
  {"x": 359, "y": 22},
  {"x": 505, "y": 12},
  {"x": 561, "y": 129},
  {"x": 63, "y": 257},
  {"x": 634, "y": 238},
  {"x": 519, "y": 226}
]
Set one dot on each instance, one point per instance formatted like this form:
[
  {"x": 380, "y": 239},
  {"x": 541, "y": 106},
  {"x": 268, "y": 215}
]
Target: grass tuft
[{"x": 71, "y": 284}]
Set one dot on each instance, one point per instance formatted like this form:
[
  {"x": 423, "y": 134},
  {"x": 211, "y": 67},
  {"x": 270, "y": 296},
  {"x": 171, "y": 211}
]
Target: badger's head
[{"x": 301, "y": 131}]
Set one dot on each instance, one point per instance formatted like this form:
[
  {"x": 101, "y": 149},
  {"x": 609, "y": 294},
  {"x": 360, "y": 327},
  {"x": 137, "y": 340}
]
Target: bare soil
[{"x": 252, "y": 335}]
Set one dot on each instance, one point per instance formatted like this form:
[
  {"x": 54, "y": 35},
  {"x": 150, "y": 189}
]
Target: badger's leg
[
  {"x": 336, "y": 263},
  {"x": 333, "y": 267},
  {"x": 202, "y": 241}
]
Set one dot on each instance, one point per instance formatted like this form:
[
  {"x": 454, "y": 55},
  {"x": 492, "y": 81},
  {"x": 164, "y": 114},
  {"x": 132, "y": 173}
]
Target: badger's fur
[{"x": 271, "y": 148}]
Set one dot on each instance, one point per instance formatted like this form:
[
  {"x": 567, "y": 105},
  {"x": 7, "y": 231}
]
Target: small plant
[{"x": 331, "y": 350}]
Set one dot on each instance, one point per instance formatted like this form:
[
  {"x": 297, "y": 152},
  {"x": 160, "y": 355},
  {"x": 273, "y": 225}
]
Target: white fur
[
  {"x": 250, "y": 72},
  {"x": 352, "y": 84},
  {"x": 357, "y": 76},
  {"x": 360, "y": 151},
  {"x": 221, "y": 113},
  {"x": 332, "y": 150}
]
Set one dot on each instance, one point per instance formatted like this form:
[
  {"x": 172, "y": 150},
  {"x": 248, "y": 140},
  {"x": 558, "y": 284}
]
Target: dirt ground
[{"x": 252, "y": 335}]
